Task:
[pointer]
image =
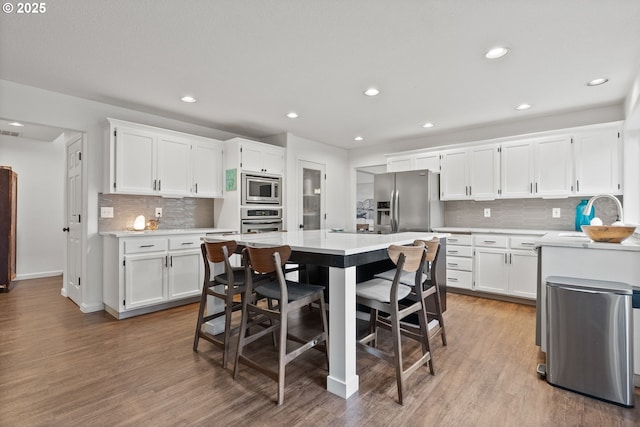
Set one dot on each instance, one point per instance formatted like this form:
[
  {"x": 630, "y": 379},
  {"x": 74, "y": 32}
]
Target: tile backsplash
[
  {"x": 523, "y": 213},
  {"x": 176, "y": 213}
]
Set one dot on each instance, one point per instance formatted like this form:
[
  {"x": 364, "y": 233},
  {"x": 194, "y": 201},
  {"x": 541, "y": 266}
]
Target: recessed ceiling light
[
  {"x": 496, "y": 52},
  {"x": 358, "y": 138},
  {"x": 428, "y": 125},
  {"x": 523, "y": 107},
  {"x": 292, "y": 115},
  {"x": 372, "y": 91},
  {"x": 188, "y": 98},
  {"x": 597, "y": 82},
  {"x": 16, "y": 124}
]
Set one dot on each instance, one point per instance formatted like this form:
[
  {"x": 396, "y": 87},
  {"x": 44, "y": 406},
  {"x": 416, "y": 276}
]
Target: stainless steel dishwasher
[{"x": 589, "y": 338}]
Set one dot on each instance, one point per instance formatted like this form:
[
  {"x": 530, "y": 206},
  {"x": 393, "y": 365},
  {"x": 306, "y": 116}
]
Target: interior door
[
  {"x": 73, "y": 270},
  {"x": 311, "y": 204}
]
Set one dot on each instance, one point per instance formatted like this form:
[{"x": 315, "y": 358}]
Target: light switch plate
[
  {"x": 487, "y": 212},
  {"x": 555, "y": 212},
  {"x": 106, "y": 212}
]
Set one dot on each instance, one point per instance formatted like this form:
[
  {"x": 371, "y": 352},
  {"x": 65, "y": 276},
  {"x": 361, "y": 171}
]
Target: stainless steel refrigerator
[{"x": 407, "y": 201}]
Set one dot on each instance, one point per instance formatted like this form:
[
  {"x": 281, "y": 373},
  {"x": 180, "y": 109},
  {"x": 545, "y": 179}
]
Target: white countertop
[
  {"x": 577, "y": 239},
  {"x": 469, "y": 230},
  {"x": 329, "y": 242},
  {"x": 166, "y": 232}
]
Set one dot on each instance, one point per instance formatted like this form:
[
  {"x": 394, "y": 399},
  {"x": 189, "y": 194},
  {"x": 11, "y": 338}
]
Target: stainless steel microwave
[{"x": 261, "y": 190}]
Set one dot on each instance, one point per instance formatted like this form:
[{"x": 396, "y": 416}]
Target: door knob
[
  {"x": 65, "y": 229},
  {"x": 301, "y": 226}
]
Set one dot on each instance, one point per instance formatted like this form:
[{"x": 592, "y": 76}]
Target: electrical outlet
[
  {"x": 158, "y": 212},
  {"x": 555, "y": 212},
  {"x": 487, "y": 212},
  {"x": 106, "y": 212}
]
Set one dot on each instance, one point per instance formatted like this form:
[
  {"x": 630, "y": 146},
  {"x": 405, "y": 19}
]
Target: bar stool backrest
[{"x": 261, "y": 260}]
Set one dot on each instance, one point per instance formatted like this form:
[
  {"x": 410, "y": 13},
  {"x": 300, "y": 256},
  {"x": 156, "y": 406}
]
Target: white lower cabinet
[
  {"x": 144, "y": 274},
  {"x": 505, "y": 265},
  {"x": 459, "y": 262}
]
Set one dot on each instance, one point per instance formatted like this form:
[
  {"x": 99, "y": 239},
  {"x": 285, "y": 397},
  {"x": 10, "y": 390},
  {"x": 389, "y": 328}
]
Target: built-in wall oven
[
  {"x": 261, "y": 190},
  {"x": 260, "y": 220}
]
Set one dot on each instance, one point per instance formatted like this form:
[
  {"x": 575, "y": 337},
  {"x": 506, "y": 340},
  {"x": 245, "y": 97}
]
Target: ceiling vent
[{"x": 10, "y": 132}]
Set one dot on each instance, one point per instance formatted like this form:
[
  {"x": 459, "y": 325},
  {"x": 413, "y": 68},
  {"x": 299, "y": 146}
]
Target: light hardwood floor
[{"x": 60, "y": 367}]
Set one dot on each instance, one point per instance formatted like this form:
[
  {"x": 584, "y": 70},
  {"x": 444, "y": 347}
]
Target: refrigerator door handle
[{"x": 397, "y": 212}]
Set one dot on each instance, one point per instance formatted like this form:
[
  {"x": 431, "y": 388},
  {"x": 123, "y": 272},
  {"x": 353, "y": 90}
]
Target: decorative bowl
[{"x": 607, "y": 233}]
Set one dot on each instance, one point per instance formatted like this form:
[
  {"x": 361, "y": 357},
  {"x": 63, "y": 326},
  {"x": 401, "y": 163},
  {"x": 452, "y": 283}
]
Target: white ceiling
[{"x": 249, "y": 62}]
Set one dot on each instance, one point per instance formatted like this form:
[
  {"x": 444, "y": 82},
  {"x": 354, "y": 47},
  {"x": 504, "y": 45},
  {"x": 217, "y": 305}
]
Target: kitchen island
[
  {"x": 341, "y": 253},
  {"x": 573, "y": 254}
]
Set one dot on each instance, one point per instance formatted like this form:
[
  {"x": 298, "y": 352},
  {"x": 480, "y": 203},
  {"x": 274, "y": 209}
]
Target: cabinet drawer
[
  {"x": 458, "y": 250},
  {"x": 184, "y": 242},
  {"x": 523, "y": 242},
  {"x": 134, "y": 246},
  {"x": 459, "y": 279},
  {"x": 457, "y": 263},
  {"x": 489, "y": 240},
  {"x": 459, "y": 239}
]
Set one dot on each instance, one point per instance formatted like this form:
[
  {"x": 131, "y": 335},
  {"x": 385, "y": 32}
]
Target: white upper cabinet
[
  {"x": 553, "y": 167},
  {"x": 454, "y": 179},
  {"x": 144, "y": 160},
  {"x": 470, "y": 173},
  {"x": 484, "y": 172},
  {"x": 407, "y": 162},
  {"x": 207, "y": 169},
  {"x": 597, "y": 162},
  {"x": 517, "y": 169},
  {"x": 135, "y": 153},
  {"x": 258, "y": 157},
  {"x": 429, "y": 161},
  {"x": 400, "y": 164},
  {"x": 174, "y": 171},
  {"x": 537, "y": 168}
]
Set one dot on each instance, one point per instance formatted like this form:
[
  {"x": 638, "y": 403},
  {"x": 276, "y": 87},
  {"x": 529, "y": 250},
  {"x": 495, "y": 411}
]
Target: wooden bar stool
[
  {"x": 384, "y": 296},
  {"x": 430, "y": 286},
  {"x": 232, "y": 282},
  {"x": 289, "y": 297}
]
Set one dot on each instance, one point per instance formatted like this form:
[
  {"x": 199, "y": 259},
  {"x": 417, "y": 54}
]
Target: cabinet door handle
[
  {"x": 166, "y": 261},
  {"x": 470, "y": 193},
  {"x": 527, "y": 244},
  {"x": 453, "y": 264},
  {"x": 453, "y": 279},
  {"x": 505, "y": 258},
  {"x": 536, "y": 187},
  {"x": 452, "y": 252},
  {"x": 489, "y": 241},
  {"x": 171, "y": 261},
  {"x": 187, "y": 243},
  {"x": 531, "y": 187},
  {"x": 452, "y": 240},
  {"x": 578, "y": 185},
  {"x": 146, "y": 246},
  {"x": 155, "y": 184},
  {"x": 196, "y": 188},
  {"x": 510, "y": 259},
  {"x": 159, "y": 184}
]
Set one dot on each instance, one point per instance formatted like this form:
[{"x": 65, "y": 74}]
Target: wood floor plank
[{"x": 60, "y": 367}]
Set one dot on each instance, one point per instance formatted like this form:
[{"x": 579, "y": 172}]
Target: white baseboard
[{"x": 39, "y": 275}]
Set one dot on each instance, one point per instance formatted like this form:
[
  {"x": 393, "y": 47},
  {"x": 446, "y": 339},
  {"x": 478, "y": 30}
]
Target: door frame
[{"x": 306, "y": 164}]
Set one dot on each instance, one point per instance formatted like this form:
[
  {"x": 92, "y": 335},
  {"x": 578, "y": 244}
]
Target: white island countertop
[
  {"x": 329, "y": 242},
  {"x": 577, "y": 239},
  {"x": 165, "y": 232}
]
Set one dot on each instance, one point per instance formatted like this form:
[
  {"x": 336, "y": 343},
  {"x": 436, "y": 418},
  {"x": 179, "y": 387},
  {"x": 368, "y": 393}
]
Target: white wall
[
  {"x": 335, "y": 160},
  {"x": 30, "y": 104},
  {"x": 41, "y": 176}
]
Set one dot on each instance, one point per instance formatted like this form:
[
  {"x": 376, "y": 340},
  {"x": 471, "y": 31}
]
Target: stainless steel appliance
[
  {"x": 589, "y": 338},
  {"x": 260, "y": 220},
  {"x": 261, "y": 190},
  {"x": 407, "y": 201}
]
